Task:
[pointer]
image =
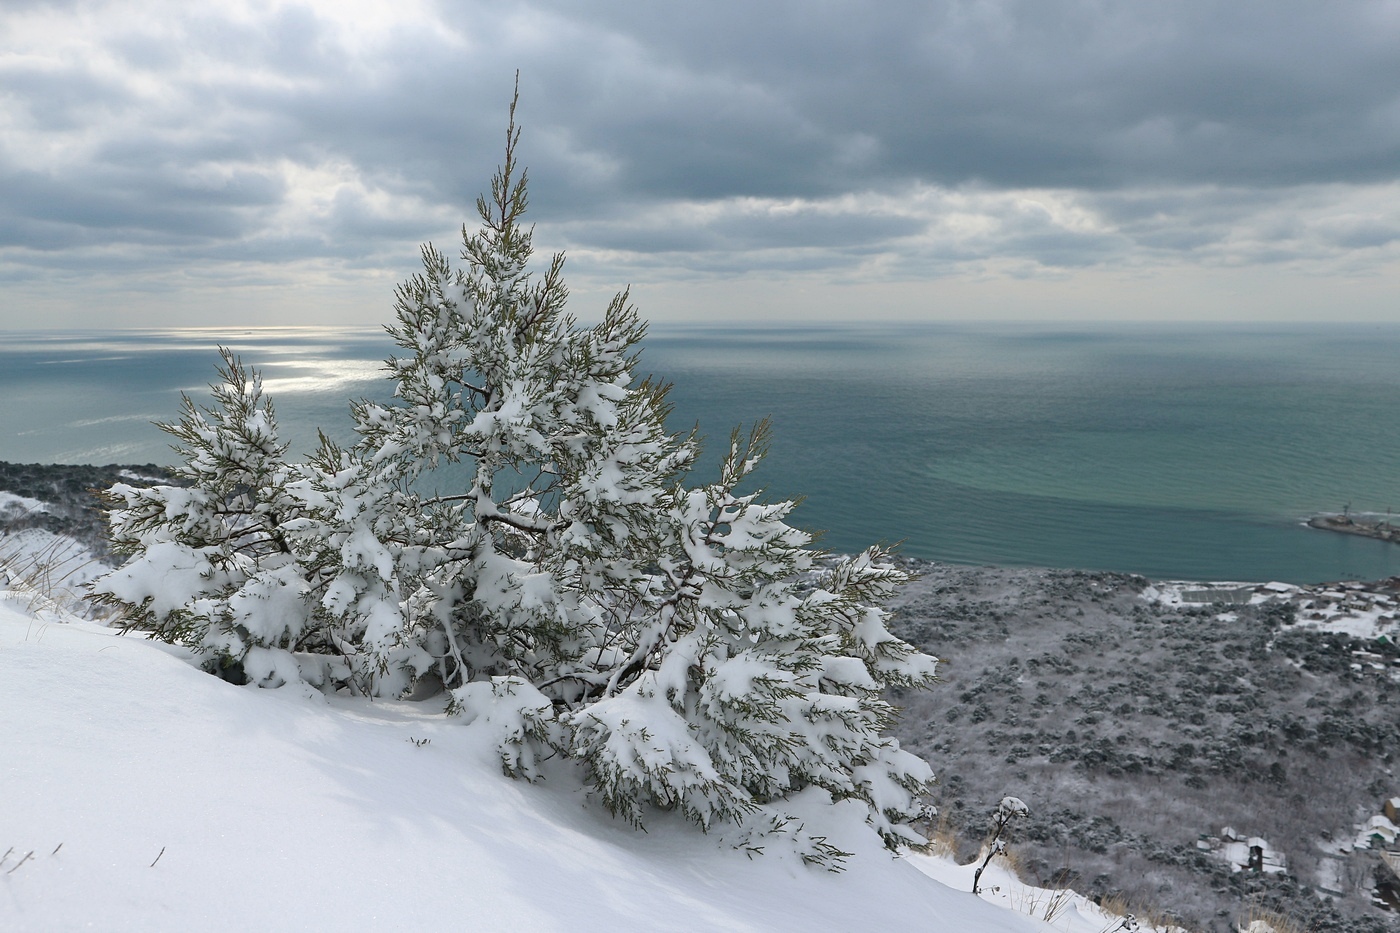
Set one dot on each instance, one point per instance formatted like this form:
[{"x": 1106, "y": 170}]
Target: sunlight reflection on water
[{"x": 1192, "y": 453}]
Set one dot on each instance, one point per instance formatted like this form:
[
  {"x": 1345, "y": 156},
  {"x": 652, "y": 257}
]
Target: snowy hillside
[
  {"x": 273, "y": 809},
  {"x": 1156, "y": 729},
  {"x": 138, "y": 793}
]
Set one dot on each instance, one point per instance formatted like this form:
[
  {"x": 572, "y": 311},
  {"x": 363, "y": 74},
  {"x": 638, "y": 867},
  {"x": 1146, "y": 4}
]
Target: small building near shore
[{"x": 1244, "y": 853}]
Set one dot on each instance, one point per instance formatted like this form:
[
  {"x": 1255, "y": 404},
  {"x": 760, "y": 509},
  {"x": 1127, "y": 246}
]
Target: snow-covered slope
[{"x": 153, "y": 797}]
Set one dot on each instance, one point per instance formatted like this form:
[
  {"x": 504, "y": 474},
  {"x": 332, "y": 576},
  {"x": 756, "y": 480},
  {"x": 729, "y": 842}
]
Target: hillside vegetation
[{"x": 1138, "y": 730}]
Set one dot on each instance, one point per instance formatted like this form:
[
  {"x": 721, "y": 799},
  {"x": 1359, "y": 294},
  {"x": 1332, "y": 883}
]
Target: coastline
[
  {"x": 63, "y": 499},
  {"x": 1345, "y": 524}
]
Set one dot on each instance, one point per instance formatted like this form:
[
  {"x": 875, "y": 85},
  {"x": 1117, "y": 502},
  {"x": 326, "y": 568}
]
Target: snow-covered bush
[
  {"x": 1007, "y": 810},
  {"x": 574, "y": 595},
  {"x": 212, "y": 563}
]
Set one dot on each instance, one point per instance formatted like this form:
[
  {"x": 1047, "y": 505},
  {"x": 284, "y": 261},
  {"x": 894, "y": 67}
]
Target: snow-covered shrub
[
  {"x": 574, "y": 594},
  {"x": 1007, "y": 810},
  {"x": 212, "y": 564}
]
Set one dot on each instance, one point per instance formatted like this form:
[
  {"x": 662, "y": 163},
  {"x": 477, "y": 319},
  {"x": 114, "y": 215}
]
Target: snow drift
[{"x": 155, "y": 797}]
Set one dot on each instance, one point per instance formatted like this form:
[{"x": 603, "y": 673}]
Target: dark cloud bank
[{"x": 718, "y": 138}]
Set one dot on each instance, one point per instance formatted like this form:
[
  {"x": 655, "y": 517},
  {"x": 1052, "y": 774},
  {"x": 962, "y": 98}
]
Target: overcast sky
[{"x": 177, "y": 163}]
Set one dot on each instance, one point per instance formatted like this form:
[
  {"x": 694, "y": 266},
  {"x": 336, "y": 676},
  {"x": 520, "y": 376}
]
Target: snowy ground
[
  {"x": 1060, "y": 910},
  {"x": 46, "y": 572},
  {"x": 138, "y": 793},
  {"x": 1362, "y": 610}
]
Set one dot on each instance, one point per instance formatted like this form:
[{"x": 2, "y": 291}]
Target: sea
[{"x": 1187, "y": 452}]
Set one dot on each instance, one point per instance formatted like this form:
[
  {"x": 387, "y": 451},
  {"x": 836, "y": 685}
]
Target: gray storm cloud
[{"x": 910, "y": 140}]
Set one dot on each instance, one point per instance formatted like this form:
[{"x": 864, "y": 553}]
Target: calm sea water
[{"x": 1174, "y": 452}]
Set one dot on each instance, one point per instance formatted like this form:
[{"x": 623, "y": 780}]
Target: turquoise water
[{"x": 1170, "y": 451}]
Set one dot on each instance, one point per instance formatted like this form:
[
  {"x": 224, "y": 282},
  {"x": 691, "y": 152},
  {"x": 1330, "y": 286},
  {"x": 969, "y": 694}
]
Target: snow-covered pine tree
[
  {"x": 573, "y": 595},
  {"x": 212, "y": 565},
  {"x": 740, "y": 687}
]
